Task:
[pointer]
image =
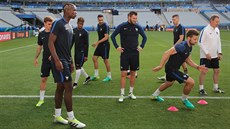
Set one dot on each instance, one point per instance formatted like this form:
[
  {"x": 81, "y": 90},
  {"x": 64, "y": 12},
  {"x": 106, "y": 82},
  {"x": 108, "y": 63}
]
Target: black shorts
[
  {"x": 45, "y": 68},
  {"x": 103, "y": 51},
  {"x": 79, "y": 59},
  {"x": 176, "y": 75},
  {"x": 129, "y": 62},
  {"x": 65, "y": 75},
  {"x": 213, "y": 63}
]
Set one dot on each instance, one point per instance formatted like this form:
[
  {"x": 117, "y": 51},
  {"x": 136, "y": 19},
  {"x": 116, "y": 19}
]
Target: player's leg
[
  {"x": 124, "y": 66},
  {"x": 96, "y": 71},
  {"x": 45, "y": 72},
  {"x": 189, "y": 84},
  {"x": 163, "y": 86},
  {"x": 106, "y": 62},
  {"x": 78, "y": 60},
  {"x": 202, "y": 75},
  {"x": 216, "y": 72},
  {"x": 87, "y": 77},
  {"x": 132, "y": 83}
]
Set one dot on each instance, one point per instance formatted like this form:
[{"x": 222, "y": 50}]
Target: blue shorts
[
  {"x": 65, "y": 75},
  {"x": 176, "y": 75},
  {"x": 213, "y": 63},
  {"x": 103, "y": 51},
  {"x": 79, "y": 59},
  {"x": 45, "y": 68}
]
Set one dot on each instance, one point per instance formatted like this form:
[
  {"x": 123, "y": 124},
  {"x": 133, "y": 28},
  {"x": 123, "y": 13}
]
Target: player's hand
[
  {"x": 95, "y": 44},
  {"x": 202, "y": 68},
  {"x": 139, "y": 48},
  {"x": 208, "y": 56},
  {"x": 49, "y": 58},
  {"x": 59, "y": 66},
  {"x": 219, "y": 56},
  {"x": 157, "y": 68},
  {"x": 72, "y": 68},
  {"x": 85, "y": 59},
  {"x": 120, "y": 49},
  {"x": 36, "y": 62}
]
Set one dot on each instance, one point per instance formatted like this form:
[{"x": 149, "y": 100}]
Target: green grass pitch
[{"x": 18, "y": 76}]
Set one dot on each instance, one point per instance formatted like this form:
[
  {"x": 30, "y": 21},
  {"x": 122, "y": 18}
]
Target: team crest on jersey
[
  {"x": 80, "y": 35},
  {"x": 67, "y": 77},
  {"x": 136, "y": 29},
  {"x": 100, "y": 29},
  {"x": 125, "y": 28}
]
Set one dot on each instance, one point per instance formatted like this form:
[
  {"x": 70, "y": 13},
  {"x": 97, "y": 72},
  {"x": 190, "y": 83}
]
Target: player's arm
[
  {"x": 180, "y": 39},
  {"x": 114, "y": 41},
  {"x": 86, "y": 46},
  {"x": 191, "y": 63},
  {"x": 165, "y": 58},
  {"x": 202, "y": 38},
  {"x": 38, "y": 52},
  {"x": 144, "y": 38},
  {"x": 58, "y": 64},
  {"x": 219, "y": 50}
]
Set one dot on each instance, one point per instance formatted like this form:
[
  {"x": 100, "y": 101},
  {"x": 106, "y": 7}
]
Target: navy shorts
[
  {"x": 129, "y": 62},
  {"x": 103, "y": 51},
  {"x": 65, "y": 75},
  {"x": 79, "y": 59},
  {"x": 176, "y": 75},
  {"x": 213, "y": 63},
  {"x": 45, "y": 68}
]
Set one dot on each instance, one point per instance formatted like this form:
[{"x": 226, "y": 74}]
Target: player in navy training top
[
  {"x": 102, "y": 49},
  {"x": 129, "y": 59},
  {"x": 60, "y": 43},
  {"x": 175, "y": 57},
  {"x": 81, "y": 43},
  {"x": 42, "y": 42}
]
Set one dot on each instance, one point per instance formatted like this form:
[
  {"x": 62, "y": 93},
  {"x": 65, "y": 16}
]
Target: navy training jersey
[
  {"x": 177, "y": 31},
  {"x": 64, "y": 32},
  {"x": 129, "y": 34},
  {"x": 176, "y": 60},
  {"x": 81, "y": 41},
  {"x": 101, "y": 31},
  {"x": 43, "y": 39}
]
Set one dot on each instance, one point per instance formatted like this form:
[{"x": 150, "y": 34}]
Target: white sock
[
  {"x": 201, "y": 87},
  {"x": 78, "y": 74},
  {"x": 42, "y": 94},
  {"x": 109, "y": 74},
  {"x": 70, "y": 115},
  {"x": 57, "y": 111},
  {"x": 157, "y": 92},
  {"x": 84, "y": 73},
  {"x": 96, "y": 72},
  {"x": 215, "y": 86},
  {"x": 184, "y": 97},
  {"x": 131, "y": 89},
  {"x": 122, "y": 91}
]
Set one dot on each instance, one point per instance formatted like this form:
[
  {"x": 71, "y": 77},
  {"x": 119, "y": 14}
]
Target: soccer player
[
  {"x": 81, "y": 41},
  {"x": 210, "y": 53},
  {"x": 129, "y": 59},
  {"x": 42, "y": 42},
  {"x": 175, "y": 57},
  {"x": 102, "y": 49},
  {"x": 60, "y": 42},
  {"x": 178, "y": 37}
]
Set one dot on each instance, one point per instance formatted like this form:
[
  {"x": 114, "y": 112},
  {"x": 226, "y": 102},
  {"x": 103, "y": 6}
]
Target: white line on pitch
[
  {"x": 111, "y": 97},
  {"x": 16, "y": 48}
]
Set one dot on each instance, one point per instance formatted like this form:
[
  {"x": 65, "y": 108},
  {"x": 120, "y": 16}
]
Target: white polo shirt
[{"x": 209, "y": 42}]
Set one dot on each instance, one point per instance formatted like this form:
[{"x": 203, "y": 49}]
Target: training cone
[
  {"x": 202, "y": 102},
  {"x": 172, "y": 109}
]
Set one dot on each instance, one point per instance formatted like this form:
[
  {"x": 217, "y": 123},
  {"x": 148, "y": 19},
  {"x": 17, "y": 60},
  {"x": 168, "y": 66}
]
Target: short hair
[
  {"x": 99, "y": 15},
  {"x": 80, "y": 19},
  {"x": 48, "y": 19},
  {"x": 132, "y": 13},
  {"x": 213, "y": 17},
  {"x": 67, "y": 5},
  {"x": 175, "y": 15},
  {"x": 191, "y": 33}
]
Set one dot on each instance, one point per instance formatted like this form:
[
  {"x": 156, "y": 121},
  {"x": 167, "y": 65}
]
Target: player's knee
[
  {"x": 123, "y": 74},
  {"x": 132, "y": 73},
  {"x": 44, "y": 79},
  {"x": 190, "y": 82},
  {"x": 216, "y": 71}
]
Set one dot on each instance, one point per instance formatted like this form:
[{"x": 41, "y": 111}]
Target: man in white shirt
[{"x": 210, "y": 53}]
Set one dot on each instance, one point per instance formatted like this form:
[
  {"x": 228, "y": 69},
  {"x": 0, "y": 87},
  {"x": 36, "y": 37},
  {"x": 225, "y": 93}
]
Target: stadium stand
[{"x": 11, "y": 18}]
